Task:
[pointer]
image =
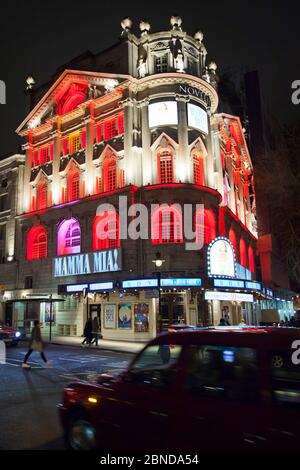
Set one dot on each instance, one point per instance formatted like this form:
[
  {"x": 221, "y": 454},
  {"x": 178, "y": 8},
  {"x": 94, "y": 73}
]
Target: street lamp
[{"x": 158, "y": 264}]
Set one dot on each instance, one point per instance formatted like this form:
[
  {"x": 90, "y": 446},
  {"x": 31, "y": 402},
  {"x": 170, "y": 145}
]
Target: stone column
[
  {"x": 218, "y": 170},
  {"x": 25, "y": 200},
  {"x": 89, "y": 123},
  {"x": 56, "y": 188},
  {"x": 147, "y": 176},
  {"x": 128, "y": 141},
  {"x": 182, "y": 163},
  {"x": 210, "y": 173}
]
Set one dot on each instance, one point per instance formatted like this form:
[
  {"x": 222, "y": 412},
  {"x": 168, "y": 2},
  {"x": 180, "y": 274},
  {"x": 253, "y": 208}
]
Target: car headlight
[{"x": 17, "y": 334}]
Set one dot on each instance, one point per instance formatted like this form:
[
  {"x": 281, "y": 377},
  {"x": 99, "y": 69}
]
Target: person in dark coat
[
  {"x": 36, "y": 344},
  {"x": 88, "y": 332},
  {"x": 96, "y": 331}
]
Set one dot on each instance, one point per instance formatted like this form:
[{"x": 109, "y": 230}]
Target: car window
[
  {"x": 285, "y": 379},
  {"x": 155, "y": 365},
  {"x": 221, "y": 371}
]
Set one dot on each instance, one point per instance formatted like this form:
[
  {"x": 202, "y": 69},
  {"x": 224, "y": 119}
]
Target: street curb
[{"x": 94, "y": 348}]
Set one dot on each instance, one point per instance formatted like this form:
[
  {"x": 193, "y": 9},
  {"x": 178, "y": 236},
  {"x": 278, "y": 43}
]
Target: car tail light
[{"x": 70, "y": 395}]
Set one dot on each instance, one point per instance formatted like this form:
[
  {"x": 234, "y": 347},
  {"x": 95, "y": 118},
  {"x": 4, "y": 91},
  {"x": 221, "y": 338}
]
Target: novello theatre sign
[{"x": 88, "y": 263}]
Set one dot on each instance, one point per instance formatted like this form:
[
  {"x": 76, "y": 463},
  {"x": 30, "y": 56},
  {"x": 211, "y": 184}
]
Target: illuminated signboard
[
  {"x": 253, "y": 285},
  {"x": 228, "y": 283},
  {"x": 220, "y": 258},
  {"x": 139, "y": 283},
  {"x": 163, "y": 113},
  {"x": 242, "y": 272},
  {"x": 230, "y": 296},
  {"x": 182, "y": 282},
  {"x": 197, "y": 118},
  {"x": 101, "y": 286},
  {"x": 76, "y": 287},
  {"x": 88, "y": 263},
  {"x": 268, "y": 292}
]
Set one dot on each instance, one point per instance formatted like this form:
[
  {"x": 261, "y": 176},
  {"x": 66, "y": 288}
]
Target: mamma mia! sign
[{"x": 88, "y": 263}]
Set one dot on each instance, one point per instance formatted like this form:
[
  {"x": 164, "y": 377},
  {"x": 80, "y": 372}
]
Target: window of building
[
  {"x": 110, "y": 174},
  {"x": 44, "y": 154},
  {"x": 28, "y": 284},
  {"x": 161, "y": 63},
  {"x": 165, "y": 167},
  {"x": 110, "y": 129},
  {"x": 68, "y": 237},
  {"x": 198, "y": 169},
  {"x": 42, "y": 195},
  {"x": 243, "y": 253},
  {"x": 74, "y": 142},
  {"x": 106, "y": 231},
  {"x": 37, "y": 243},
  {"x": 73, "y": 185},
  {"x": 205, "y": 226},
  {"x": 166, "y": 225},
  {"x": 223, "y": 372},
  {"x": 4, "y": 202}
]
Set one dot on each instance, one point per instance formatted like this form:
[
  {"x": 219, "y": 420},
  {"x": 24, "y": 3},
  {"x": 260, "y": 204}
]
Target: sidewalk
[{"x": 105, "y": 344}]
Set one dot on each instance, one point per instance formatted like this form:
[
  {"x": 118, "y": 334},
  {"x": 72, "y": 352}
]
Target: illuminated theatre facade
[{"x": 154, "y": 136}]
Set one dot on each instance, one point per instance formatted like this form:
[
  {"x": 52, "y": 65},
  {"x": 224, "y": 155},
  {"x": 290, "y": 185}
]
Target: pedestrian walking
[
  {"x": 36, "y": 344},
  {"x": 96, "y": 331},
  {"x": 88, "y": 332}
]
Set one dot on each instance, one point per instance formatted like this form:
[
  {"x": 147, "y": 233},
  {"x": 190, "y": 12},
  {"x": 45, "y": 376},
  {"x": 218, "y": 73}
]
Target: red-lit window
[
  {"x": 51, "y": 151},
  {"x": 110, "y": 174},
  {"x": 205, "y": 226},
  {"x": 243, "y": 253},
  {"x": 44, "y": 154},
  {"x": 73, "y": 186},
  {"x": 251, "y": 259},
  {"x": 35, "y": 158},
  {"x": 42, "y": 195},
  {"x": 121, "y": 123},
  {"x": 99, "y": 132},
  {"x": 83, "y": 139},
  {"x": 106, "y": 231},
  {"x": 37, "y": 243},
  {"x": 65, "y": 146},
  {"x": 98, "y": 184},
  {"x": 110, "y": 129},
  {"x": 232, "y": 238},
  {"x": 68, "y": 237},
  {"x": 165, "y": 167},
  {"x": 198, "y": 169},
  {"x": 166, "y": 225}
]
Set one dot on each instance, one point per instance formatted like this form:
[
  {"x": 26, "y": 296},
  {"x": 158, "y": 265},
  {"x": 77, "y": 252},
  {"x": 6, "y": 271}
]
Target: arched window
[
  {"x": 68, "y": 237},
  {"x": 165, "y": 170},
  {"x": 166, "y": 225},
  {"x": 251, "y": 259},
  {"x": 243, "y": 253},
  {"x": 198, "y": 168},
  {"x": 232, "y": 238},
  {"x": 37, "y": 243},
  {"x": 73, "y": 185},
  {"x": 42, "y": 195},
  {"x": 106, "y": 232},
  {"x": 110, "y": 174},
  {"x": 207, "y": 232}
]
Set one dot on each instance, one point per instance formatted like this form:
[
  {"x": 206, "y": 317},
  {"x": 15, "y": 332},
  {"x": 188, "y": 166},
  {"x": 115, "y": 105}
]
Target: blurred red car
[
  {"x": 10, "y": 336},
  {"x": 213, "y": 389}
]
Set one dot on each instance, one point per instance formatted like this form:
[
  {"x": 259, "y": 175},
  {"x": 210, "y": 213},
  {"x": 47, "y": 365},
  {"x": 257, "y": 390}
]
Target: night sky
[{"x": 37, "y": 37}]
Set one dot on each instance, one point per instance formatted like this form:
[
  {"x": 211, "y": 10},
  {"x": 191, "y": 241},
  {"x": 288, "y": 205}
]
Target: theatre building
[{"x": 136, "y": 124}]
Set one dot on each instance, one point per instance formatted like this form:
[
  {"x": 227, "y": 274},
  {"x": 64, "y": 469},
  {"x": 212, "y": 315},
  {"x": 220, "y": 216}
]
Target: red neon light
[
  {"x": 251, "y": 259},
  {"x": 232, "y": 238},
  {"x": 243, "y": 253}
]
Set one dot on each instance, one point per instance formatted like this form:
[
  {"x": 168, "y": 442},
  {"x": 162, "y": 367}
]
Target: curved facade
[{"x": 101, "y": 148}]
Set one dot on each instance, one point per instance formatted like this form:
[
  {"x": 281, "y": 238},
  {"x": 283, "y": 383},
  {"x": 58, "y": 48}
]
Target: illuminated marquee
[
  {"x": 87, "y": 263},
  {"x": 197, "y": 118},
  {"x": 221, "y": 258}
]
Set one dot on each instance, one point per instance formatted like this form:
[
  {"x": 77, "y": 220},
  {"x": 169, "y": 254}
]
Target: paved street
[{"x": 28, "y": 398}]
